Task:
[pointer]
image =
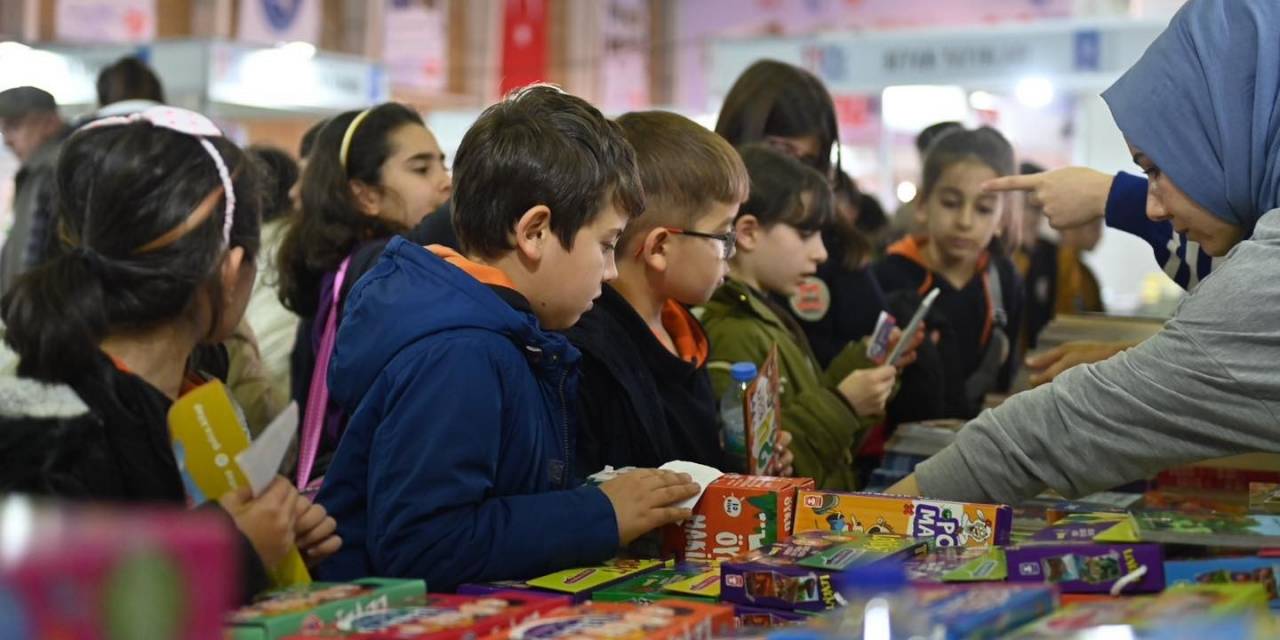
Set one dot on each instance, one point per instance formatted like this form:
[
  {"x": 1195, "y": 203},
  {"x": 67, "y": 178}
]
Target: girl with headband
[
  {"x": 371, "y": 174},
  {"x": 160, "y": 217}
]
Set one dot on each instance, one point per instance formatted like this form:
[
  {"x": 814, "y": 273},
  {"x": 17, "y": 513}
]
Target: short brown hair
[{"x": 684, "y": 167}]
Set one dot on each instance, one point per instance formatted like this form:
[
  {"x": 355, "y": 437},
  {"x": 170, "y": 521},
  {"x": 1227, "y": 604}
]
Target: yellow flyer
[{"x": 208, "y": 434}]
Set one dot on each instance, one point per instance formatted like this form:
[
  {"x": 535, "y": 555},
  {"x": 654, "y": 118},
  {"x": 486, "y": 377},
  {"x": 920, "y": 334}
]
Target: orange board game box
[
  {"x": 947, "y": 524},
  {"x": 735, "y": 515},
  {"x": 664, "y": 619}
]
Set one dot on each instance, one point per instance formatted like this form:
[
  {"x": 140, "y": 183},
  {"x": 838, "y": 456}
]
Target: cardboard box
[
  {"x": 1086, "y": 567},
  {"x": 778, "y": 576},
  {"x": 579, "y": 583},
  {"x": 958, "y": 564},
  {"x": 1079, "y": 527},
  {"x": 1204, "y": 602},
  {"x": 948, "y": 524},
  {"x": 969, "y": 611},
  {"x": 96, "y": 572},
  {"x": 762, "y": 618},
  {"x": 735, "y": 515},
  {"x": 651, "y": 587},
  {"x": 441, "y": 617},
  {"x": 664, "y": 619},
  {"x": 309, "y": 608},
  {"x": 1264, "y": 571}
]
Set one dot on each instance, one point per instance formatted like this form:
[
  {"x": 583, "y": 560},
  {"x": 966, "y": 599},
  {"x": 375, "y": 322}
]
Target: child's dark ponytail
[{"x": 55, "y": 316}]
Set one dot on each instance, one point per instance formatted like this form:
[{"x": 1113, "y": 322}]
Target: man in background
[{"x": 33, "y": 131}]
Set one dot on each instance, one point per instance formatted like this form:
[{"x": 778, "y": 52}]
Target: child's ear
[
  {"x": 654, "y": 249},
  {"x": 748, "y": 230},
  {"x": 533, "y": 231},
  {"x": 368, "y": 198}
]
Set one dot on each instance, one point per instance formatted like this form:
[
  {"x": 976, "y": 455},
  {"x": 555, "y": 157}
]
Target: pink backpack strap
[{"x": 318, "y": 396}]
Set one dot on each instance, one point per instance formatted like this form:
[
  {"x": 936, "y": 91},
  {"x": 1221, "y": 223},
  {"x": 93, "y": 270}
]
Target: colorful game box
[
  {"x": 500, "y": 586},
  {"x": 761, "y": 618},
  {"x": 948, "y": 524},
  {"x": 1265, "y": 571},
  {"x": 703, "y": 585},
  {"x": 99, "y": 572},
  {"x": 1079, "y": 527},
  {"x": 958, "y": 564},
  {"x": 1201, "y": 601},
  {"x": 963, "y": 612},
  {"x": 1208, "y": 529},
  {"x": 441, "y": 617},
  {"x": 308, "y": 608},
  {"x": 735, "y": 515},
  {"x": 762, "y": 417},
  {"x": 662, "y": 620},
  {"x": 587, "y": 580},
  {"x": 651, "y": 587},
  {"x": 1084, "y": 567},
  {"x": 778, "y": 576}
]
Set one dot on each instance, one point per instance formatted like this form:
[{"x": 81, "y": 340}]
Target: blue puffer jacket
[{"x": 456, "y": 464}]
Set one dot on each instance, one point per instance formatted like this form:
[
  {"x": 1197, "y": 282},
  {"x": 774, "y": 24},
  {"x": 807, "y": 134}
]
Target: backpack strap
[{"x": 318, "y": 397}]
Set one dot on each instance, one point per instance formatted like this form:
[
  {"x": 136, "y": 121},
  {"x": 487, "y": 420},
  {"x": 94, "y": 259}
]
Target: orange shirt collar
[
  {"x": 686, "y": 333},
  {"x": 482, "y": 272}
]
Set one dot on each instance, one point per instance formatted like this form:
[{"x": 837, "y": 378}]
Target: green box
[
  {"x": 288, "y": 611},
  {"x": 648, "y": 588}
]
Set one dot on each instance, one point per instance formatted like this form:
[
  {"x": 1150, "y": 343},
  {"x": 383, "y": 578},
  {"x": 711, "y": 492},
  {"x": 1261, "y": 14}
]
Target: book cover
[
  {"x": 762, "y": 417},
  {"x": 1208, "y": 529}
]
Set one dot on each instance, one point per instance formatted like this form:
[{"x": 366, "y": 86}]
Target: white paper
[
  {"x": 701, "y": 474},
  {"x": 261, "y": 461}
]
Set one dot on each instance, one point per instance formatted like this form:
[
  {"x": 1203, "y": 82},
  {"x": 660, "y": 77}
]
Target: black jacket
[
  {"x": 105, "y": 439},
  {"x": 640, "y": 404}
]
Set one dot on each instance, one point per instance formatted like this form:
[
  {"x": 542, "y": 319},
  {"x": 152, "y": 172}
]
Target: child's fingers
[
  {"x": 1043, "y": 360},
  {"x": 669, "y": 515},
  {"x": 318, "y": 533},
  {"x": 236, "y": 499},
  {"x": 311, "y": 517},
  {"x": 326, "y": 548}
]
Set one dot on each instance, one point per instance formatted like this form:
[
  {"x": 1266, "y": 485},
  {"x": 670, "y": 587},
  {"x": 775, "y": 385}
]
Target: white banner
[
  {"x": 105, "y": 21},
  {"x": 273, "y": 21},
  {"x": 415, "y": 42}
]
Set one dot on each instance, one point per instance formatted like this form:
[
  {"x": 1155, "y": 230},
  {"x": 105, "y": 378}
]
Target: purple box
[
  {"x": 1078, "y": 527},
  {"x": 762, "y": 618},
  {"x": 490, "y": 588},
  {"x": 770, "y": 578},
  {"x": 1088, "y": 568}
]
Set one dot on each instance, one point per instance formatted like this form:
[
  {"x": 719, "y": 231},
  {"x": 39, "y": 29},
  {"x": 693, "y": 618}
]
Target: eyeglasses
[{"x": 728, "y": 241}]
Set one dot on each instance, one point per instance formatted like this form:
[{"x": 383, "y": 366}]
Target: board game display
[
  {"x": 440, "y": 617},
  {"x": 1083, "y": 567},
  {"x": 735, "y": 515},
  {"x": 946, "y": 524}
]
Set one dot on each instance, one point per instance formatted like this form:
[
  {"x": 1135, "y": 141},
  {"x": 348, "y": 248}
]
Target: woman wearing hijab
[{"x": 1201, "y": 114}]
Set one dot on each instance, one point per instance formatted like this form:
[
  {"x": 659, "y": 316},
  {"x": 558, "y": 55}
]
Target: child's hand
[
  {"x": 314, "y": 531},
  {"x": 782, "y": 466},
  {"x": 867, "y": 390},
  {"x": 642, "y": 498},
  {"x": 267, "y": 520},
  {"x": 908, "y": 355}
]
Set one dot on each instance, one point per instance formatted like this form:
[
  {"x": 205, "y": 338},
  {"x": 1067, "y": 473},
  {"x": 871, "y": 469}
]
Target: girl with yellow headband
[{"x": 372, "y": 174}]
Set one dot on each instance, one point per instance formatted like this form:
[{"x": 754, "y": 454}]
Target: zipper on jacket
[{"x": 564, "y": 426}]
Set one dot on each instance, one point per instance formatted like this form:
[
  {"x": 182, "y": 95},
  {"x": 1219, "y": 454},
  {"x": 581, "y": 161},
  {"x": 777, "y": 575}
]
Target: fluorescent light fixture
[
  {"x": 983, "y": 101},
  {"x": 1035, "y": 92},
  {"x": 299, "y": 49}
]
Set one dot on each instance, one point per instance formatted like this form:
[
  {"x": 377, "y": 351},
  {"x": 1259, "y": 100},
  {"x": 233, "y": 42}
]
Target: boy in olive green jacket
[{"x": 779, "y": 244}]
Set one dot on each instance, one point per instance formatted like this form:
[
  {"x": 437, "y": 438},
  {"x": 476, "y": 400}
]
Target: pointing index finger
[{"x": 1013, "y": 183}]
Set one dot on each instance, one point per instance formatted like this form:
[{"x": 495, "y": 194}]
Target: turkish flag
[{"x": 524, "y": 44}]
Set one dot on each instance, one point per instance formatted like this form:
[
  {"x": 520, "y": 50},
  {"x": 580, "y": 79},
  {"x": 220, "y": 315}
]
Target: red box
[
  {"x": 664, "y": 619},
  {"x": 735, "y": 515},
  {"x": 442, "y": 617}
]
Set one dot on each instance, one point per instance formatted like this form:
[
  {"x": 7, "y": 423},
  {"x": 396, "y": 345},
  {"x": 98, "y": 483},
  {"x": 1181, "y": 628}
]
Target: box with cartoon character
[
  {"x": 441, "y": 617},
  {"x": 948, "y": 524},
  {"x": 735, "y": 515},
  {"x": 1083, "y": 567},
  {"x": 662, "y": 620},
  {"x": 309, "y": 608},
  {"x": 761, "y": 618},
  {"x": 797, "y": 575},
  {"x": 1264, "y": 571}
]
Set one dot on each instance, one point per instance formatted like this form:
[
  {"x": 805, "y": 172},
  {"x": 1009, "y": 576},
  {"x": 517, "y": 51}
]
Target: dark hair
[
  {"x": 871, "y": 215},
  {"x": 1027, "y": 168},
  {"x": 855, "y": 245},
  {"x": 308, "y": 140},
  {"x": 773, "y": 98},
  {"x": 331, "y": 225},
  {"x": 684, "y": 167},
  {"x": 279, "y": 174},
  {"x": 934, "y": 131},
  {"x": 119, "y": 189},
  {"x": 778, "y": 182},
  {"x": 128, "y": 78},
  {"x": 539, "y": 146},
  {"x": 984, "y": 144}
]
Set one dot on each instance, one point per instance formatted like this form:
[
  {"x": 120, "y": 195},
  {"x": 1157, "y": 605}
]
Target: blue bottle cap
[{"x": 743, "y": 371}]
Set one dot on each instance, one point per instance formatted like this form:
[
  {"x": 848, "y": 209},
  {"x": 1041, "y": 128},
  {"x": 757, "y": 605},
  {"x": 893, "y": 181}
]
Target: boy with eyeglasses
[{"x": 646, "y": 397}]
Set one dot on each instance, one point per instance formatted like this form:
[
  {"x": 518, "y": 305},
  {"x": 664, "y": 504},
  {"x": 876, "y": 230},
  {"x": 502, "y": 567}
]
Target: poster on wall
[
  {"x": 415, "y": 43},
  {"x": 105, "y": 21},
  {"x": 524, "y": 43},
  {"x": 624, "y": 67},
  {"x": 276, "y": 21}
]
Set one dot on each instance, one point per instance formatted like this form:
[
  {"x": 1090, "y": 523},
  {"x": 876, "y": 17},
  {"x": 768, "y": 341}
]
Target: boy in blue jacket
[{"x": 457, "y": 465}]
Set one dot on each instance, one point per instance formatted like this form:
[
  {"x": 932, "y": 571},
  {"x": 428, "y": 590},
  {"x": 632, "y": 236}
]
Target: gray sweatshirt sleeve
[{"x": 1207, "y": 385}]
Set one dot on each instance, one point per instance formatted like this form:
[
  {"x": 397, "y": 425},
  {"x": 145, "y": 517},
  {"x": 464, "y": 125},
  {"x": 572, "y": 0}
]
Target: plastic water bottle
[
  {"x": 735, "y": 434},
  {"x": 881, "y": 606}
]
